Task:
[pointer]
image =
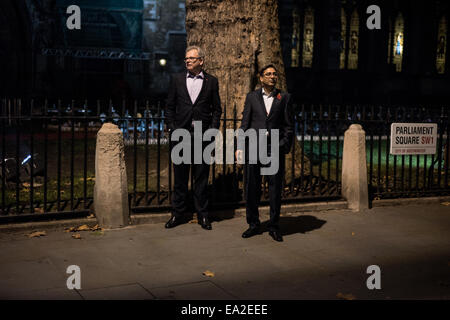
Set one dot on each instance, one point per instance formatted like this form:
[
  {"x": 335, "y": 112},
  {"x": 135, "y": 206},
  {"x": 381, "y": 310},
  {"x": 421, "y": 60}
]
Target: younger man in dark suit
[{"x": 266, "y": 109}]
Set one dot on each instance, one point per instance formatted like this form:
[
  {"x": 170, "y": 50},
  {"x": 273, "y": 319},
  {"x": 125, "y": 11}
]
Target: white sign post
[{"x": 413, "y": 138}]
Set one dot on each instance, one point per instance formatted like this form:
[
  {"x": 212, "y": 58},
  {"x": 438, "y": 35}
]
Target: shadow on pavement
[{"x": 301, "y": 224}]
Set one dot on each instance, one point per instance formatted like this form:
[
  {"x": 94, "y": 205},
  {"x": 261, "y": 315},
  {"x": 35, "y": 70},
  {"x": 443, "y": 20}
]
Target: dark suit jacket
[
  {"x": 280, "y": 116},
  {"x": 181, "y": 111}
]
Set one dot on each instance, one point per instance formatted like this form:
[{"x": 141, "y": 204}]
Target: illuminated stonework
[
  {"x": 389, "y": 55},
  {"x": 397, "y": 46},
  {"x": 441, "y": 46},
  {"x": 295, "y": 52},
  {"x": 343, "y": 38},
  {"x": 354, "y": 41},
  {"x": 308, "y": 38}
]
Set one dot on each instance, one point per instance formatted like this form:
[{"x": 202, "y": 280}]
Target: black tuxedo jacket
[
  {"x": 181, "y": 111},
  {"x": 280, "y": 116}
]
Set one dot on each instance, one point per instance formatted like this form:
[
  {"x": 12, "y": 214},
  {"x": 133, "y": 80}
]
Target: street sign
[{"x": 413, "y": 138}]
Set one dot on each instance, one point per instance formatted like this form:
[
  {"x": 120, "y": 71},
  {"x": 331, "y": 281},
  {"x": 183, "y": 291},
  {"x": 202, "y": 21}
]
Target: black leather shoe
[
  {"x": 276, "y": 235},
  {"x": 205, "y": 223},
  {"x": 173, "y": 222},
  {"x": 250, "y": 232}
]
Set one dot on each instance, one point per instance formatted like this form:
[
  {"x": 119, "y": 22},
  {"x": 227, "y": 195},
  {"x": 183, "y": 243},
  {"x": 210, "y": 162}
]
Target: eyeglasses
[
  {"x": 268, "y": 74},
  {"x": 191, "y": 59}
]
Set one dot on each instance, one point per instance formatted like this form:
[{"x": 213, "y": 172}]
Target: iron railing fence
[
  {"x": 48, "y": 156},
  {"x": 392, "y": 176},
  {"x": 47, "y": 164},
  {"x": 312, "y": 171}
]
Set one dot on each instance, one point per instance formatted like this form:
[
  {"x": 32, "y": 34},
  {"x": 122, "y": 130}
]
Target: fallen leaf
[
  {"x": 353, "y": 233},
  {"x": 37, "y": 234},
  {"x": 445, "y": 203},
  {"x": 193, "y": 221},
  {"x": 345, "y": 296},
  {"x": 208, "y": 273},
  {"x": 76, "y": 236},
  {"x": 39, "y": 210},
  {"x": 95, "y": 228},
  {"x": 83, "y": 228},
  {"x": 91, "y": 215},
  {"x": 71, "y": 229},
  {"x": 87, "y": 179},
  {"x": 35, "y": 185}
]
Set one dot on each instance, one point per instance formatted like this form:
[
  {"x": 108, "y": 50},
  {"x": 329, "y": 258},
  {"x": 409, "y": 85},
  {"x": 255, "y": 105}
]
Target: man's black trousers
[
  {"x": 253, "y": 193},
  {"x": 200, "y": 173}
]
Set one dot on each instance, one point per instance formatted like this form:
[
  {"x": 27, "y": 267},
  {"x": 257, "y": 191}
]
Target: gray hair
[{"x": 201, "y": 54}]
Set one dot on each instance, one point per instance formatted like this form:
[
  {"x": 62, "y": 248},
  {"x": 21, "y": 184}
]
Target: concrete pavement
[{"x": 325, "y": 255}]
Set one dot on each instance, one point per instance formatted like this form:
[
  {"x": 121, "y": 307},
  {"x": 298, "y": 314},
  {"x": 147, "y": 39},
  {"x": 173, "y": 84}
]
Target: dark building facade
[
  {"x": 42, "y": 57},
  {"x": 15, "y": 48},
  {"x": 128, "y": 48},
  {"x": 125, "y": 48}
]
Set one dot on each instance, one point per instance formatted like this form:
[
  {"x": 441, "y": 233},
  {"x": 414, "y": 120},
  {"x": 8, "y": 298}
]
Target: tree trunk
[{"x": 239, "y": 37}]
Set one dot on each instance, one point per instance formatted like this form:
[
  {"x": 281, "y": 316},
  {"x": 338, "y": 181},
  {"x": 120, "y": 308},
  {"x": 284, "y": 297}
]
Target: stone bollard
[
  {"x": 354, "y": 169},
  {"x": 111, "y": 186}
]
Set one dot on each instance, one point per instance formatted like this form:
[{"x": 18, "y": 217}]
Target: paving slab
[
  {"x": 203, "y": 290},
  {"x": 30, "y": 275},
  {"x": 121, "y": 292},
  {"x": 46, "y": 294}
]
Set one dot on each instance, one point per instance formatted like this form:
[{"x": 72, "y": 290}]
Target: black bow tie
[{"x": 192, "y": 76}]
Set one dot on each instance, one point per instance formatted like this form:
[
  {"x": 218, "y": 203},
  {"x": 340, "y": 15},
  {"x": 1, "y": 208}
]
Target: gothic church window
[
  {"x": 343, "y": 38},
  {"x": 389, "y": 55},
  {"x": 398, "y": 43},
  {"x": 354, "y": 41},
  {"x": 441, "y": 46},
  {"x": 349, "y": 58},
  {"x": 295, "y": 52},
  {"x": 308, "y": 38}
]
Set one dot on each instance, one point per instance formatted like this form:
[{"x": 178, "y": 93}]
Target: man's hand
[{"x": 239, "y": 156}]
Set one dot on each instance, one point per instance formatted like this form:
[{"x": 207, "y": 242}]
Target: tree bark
[{"x": 238, "y": 37}]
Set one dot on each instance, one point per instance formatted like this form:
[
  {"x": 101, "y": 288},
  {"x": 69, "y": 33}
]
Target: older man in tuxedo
[
  {"x": 265, "y": 109},
  {"x": 193, "y": 98}
]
